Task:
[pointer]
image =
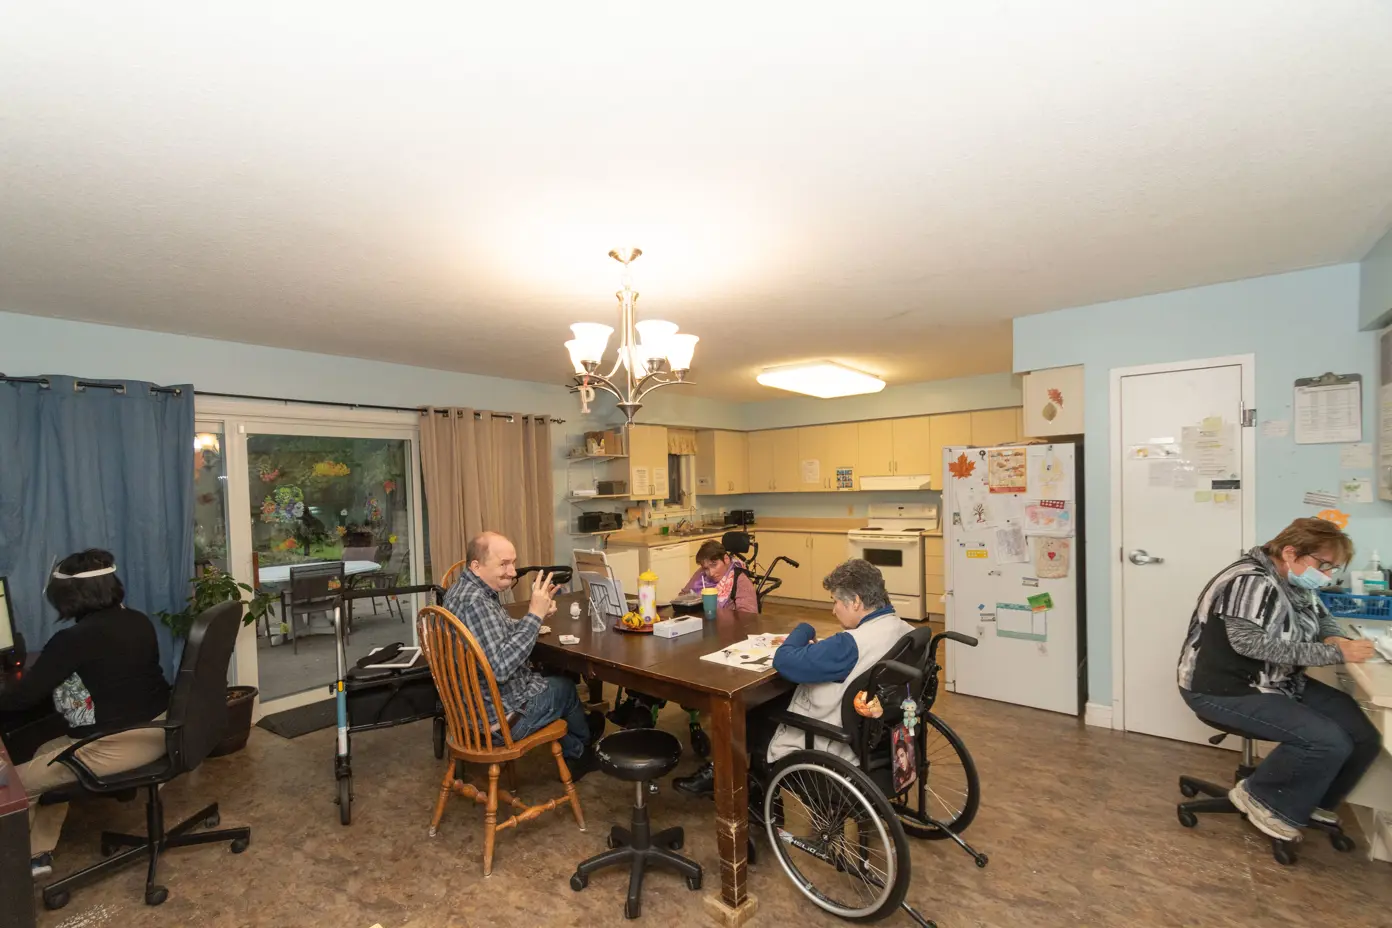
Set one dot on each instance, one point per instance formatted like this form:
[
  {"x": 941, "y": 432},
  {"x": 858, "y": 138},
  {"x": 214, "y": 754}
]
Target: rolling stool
[
  {"x": 1283, "y": 851},
  {"x": 639, "y": 756}
]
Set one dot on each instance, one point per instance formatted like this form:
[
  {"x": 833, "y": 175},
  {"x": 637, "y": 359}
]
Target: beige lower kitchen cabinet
[
  {"x": 828, "y": 553},
  {"x": 672, "y": 564},
  {"x": 793, "y": 545},
  {"x": 933, "y": 583},
  {"x": 624, "y": 562}
]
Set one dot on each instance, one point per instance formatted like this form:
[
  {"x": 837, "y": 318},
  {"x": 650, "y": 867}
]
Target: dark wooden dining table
[{"x": 672, "y": 669}]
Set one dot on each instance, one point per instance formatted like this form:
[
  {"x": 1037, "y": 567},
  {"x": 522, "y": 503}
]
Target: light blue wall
[
  {"x": 1375, "y": 291},
  {"x": 1296, "y": 325},
  {"x": 988, "y": 391}
]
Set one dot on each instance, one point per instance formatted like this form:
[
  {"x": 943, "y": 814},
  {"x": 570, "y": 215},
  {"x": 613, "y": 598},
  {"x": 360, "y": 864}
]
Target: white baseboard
[{"x": 1098, "y": 714}]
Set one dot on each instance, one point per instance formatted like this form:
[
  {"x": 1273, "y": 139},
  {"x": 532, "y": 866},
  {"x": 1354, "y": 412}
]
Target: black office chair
[
  {"x": 1219, "y": 803},
  {"x": 314, "y": 588},
  {"x": 192, "y": 727},
  {"x": 639, "y": 756}
]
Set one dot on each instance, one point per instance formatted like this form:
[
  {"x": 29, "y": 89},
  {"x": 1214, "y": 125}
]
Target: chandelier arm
[
  {"x": 597, "y": 380},
  {"x": 661, "y": 383}
]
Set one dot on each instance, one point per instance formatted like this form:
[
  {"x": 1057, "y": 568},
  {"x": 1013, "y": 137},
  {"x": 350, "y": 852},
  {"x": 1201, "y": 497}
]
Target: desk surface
[{"x": 1375, "y": 679}]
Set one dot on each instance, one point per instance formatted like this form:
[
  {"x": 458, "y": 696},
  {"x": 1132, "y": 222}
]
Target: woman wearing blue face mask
[{"x": 1257, "y": 626}]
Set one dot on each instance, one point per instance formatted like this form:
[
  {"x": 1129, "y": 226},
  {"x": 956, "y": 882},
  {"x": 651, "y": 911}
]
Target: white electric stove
[{"x": 892, "y": 540}]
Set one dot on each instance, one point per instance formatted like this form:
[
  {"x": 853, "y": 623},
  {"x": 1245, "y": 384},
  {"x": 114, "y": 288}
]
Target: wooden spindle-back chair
[
  {"x": 461, "y": 671},
  {"x": 453, "y": 573}
]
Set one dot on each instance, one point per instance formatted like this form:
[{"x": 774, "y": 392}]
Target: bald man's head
[{"x": 493, "y": 559}]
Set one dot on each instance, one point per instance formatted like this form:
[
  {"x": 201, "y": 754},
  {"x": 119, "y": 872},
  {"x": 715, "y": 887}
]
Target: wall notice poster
[
  {"x": 1329, "y": 409},
  {"x": 845, "y": 478},
  {"x": 1005, "y": 470},
  {"x": 1211, "y": 448},
  {"x": 1048, "y": 477},
  {"x": 1011, "y": 547},
  {"x": 1051, "y": 557},
  {"x": 812, "y": 470},
  {"x": 1017, "y": 621},
  {"x": 1049, "y": 517}
]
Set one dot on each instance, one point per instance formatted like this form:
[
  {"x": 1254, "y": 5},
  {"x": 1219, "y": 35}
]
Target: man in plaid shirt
[{"x": 530, "y": 701}]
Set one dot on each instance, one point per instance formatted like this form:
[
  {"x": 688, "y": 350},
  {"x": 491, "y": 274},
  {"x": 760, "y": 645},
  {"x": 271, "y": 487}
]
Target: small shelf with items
[
  {"x": 582, "y": 498},
  {"x": 594, "y": 457}
]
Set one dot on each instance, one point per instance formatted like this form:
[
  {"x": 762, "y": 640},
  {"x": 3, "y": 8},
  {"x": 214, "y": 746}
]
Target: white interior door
[{"x": 1186, "y": 511}]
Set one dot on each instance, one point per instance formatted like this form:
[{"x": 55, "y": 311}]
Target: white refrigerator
[{"x": 1012, "y": 529}]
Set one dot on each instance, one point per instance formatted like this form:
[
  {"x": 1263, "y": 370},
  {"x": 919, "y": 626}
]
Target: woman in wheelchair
[
  {"x": 822, "y": 669},
  {"x": 734, "y": 590},
  {"x": 1258, "y": 624}
]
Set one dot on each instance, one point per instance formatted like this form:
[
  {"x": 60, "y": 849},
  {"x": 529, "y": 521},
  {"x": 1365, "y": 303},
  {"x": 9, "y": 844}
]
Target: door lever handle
[{"x": 1140, "y": 558}]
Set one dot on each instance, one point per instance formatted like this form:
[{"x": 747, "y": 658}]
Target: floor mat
[{"x": 295, "y": 722}]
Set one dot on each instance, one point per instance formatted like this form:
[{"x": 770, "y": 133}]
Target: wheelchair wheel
[
  {"x": 947, "y": 789},
  {"x": 836, "y": 836}
]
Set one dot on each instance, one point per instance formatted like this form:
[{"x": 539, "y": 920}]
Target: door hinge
[{"x": 1249, "y": 418}]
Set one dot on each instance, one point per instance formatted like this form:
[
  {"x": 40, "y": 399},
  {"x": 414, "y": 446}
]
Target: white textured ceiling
[{"x": 880, "y": 184}]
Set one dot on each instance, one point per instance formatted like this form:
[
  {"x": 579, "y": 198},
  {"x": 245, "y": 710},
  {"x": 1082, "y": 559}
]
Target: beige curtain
[
  {"x": 681, "y": 441},
  {"x": 487, "y": 472}
]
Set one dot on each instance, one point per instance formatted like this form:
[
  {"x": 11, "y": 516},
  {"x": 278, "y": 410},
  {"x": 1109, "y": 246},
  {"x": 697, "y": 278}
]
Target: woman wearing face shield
[
  {"x": 1258, "y": 624},
  {"x": 102, "y": 672}
]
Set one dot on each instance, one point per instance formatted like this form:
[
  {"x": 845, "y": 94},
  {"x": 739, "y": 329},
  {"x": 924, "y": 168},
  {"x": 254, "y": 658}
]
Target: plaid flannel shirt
[{"x": 506, "y": 641}]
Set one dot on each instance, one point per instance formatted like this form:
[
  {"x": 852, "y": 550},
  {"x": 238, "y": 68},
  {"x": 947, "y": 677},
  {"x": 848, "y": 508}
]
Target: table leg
[
  {"x": 733, "y": 906},
  {"x": 16, "y": 883}
]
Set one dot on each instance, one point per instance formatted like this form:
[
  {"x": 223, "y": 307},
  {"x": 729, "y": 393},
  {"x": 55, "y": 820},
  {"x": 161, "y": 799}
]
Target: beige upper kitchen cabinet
[
  {"x": 722, "y": 462},
  {"x": 813, "y": 449},
  {"x": 787, "y": 467},
  {"x": 995, "y": 426},
  {"x": 842, "y": 450},
  {"x": 760, "y": 462},
  {"x": 946, "y": 431},
  {"x": 875, "y": 448},
  {"x": 647, "y": 461},
  {"x": 912, "y": 445}
]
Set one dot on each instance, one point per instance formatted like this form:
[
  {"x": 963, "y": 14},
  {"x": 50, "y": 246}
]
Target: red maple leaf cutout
[
  {"x": 961, "y": 467},
  {"x": 1056, "y": 395}
]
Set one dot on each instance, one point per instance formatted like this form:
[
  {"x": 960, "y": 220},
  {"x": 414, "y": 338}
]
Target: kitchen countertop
[
  {"x": 643, "y": 540},
  {"x": 646, "y": 540}
]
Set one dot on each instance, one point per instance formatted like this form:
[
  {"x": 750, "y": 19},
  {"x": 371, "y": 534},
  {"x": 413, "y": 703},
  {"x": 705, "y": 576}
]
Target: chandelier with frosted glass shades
[{"x": 652, "y": 353}]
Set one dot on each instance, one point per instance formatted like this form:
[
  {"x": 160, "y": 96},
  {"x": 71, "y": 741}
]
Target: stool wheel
[
  {"x": 1187, "y": 791},
  {"x": 610, "y": 843},
  {"x": 1341, "y": 842},
  {"x": 1188, "y": 819},
  {"x": 693, "y": 882},
  {"x": 579, "y": 881},
  {"x": 1283, "y": 852},
  {"x": 632, "y": 909},
  {"x": 677, "y": 843}
]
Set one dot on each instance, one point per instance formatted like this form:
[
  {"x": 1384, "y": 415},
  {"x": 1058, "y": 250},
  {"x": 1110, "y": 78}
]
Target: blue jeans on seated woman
[
  {"x": 1326, "y": 744},
  {"x": 558, "y": 700}
]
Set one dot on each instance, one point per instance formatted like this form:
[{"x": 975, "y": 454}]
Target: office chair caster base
[
  {"x": 212, "y": 821},
  {"x": 1188, "y": 819},
  {"x": 693, "y": 882},
  {"x": 579, "y": 881},
  {"x": 1342, "y": 842},
  {"x": 632, "y": 909},
  {"x": 982, "y": 860},
  {"x": 239, "y": 845},
  {"x": 54, "y": 901},
  {"x": 1283, "y": 852},
  {"x": 1187, "y": 789},
  {"x": 155, "y": 895}
]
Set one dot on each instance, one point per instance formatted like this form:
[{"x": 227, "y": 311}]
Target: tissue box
[{"x": 671, "y": 628}]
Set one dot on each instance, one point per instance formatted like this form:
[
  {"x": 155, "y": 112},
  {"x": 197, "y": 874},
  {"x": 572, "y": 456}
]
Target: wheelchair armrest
[
  {"x": 900, "y": 670},
  {"x": 811, "y": 726}
]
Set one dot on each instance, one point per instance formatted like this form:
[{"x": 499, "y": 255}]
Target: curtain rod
[
  {"x": 496, "y": 415},
  {"x": 280, "y": 399},
  {"x": 80, "y": 385},
  {"x": 83, "y": 384}
]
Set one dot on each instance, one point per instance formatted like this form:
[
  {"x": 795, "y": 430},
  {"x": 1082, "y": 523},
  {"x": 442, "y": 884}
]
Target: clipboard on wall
[{"x": 1328, "y": 409}]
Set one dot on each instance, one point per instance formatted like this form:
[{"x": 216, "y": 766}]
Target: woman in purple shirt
[{"x": 726, "y": 575}]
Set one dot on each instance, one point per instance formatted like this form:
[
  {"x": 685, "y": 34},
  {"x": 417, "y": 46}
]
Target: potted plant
[{"x": 210, "y": 588}]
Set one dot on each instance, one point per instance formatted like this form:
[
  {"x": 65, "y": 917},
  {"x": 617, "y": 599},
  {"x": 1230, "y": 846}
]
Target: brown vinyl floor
[{"x": 1079, "y": 824}]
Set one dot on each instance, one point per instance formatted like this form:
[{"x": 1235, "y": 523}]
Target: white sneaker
[
  {"x": 1265, "y": 821},
  {"x": 1325, "y": 817}
]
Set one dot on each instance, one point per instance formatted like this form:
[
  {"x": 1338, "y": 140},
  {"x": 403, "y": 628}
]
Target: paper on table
[
  {"x": 1048, "y": 473},
  {"x": 1011, "y": 547},
  {"x": 1358, "y": 456},
  {"x": 1329, "y": 414}
]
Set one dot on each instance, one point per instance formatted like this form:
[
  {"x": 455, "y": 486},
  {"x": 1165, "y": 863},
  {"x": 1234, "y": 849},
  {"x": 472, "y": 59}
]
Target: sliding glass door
[{"x": 316, "y": 486}]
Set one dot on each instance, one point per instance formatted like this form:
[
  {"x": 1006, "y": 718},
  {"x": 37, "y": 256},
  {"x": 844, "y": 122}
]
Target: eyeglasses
[{"x": 1324, "y": 567}]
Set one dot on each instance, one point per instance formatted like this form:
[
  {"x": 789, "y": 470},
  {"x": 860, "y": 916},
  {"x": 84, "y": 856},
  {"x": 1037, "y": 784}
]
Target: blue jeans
[
  {"x": 1326, "y": 745},
  {"x": 557, "y": 701}
]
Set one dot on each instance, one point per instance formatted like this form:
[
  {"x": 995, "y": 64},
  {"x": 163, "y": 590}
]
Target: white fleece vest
[{"x": 822, "y": 701}]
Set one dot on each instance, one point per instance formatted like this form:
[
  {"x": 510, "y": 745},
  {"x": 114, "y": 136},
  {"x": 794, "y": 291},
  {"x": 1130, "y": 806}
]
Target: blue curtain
[{"x": 96, "y": 467}]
